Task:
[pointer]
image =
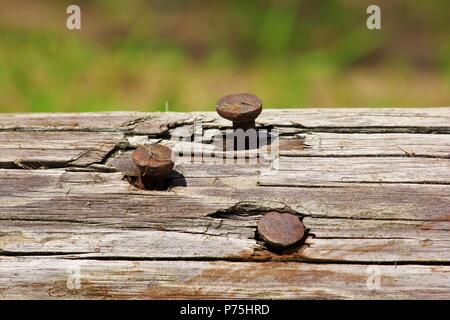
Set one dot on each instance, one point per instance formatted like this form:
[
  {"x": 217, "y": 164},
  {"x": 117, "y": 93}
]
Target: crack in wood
[{"x": 243, "y": 209}]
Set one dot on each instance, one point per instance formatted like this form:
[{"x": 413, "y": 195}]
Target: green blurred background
[{"x": 144, "y": 55}]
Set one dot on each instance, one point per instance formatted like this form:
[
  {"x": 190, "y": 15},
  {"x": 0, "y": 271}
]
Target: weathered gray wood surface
[{"x": 371, "y": 185}]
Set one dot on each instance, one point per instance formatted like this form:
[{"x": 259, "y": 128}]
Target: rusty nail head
[
  {"x": 241, "y": 108},
  {"x": 281, "y": 229},
  {"x": 154, "y": 160}
]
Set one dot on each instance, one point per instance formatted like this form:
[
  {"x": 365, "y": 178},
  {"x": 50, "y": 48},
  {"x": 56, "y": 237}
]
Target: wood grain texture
[
  {"x": 383, "y": 118},
  {"x": 52, "y": 278},
  {"x": 59, "y": 149},
  {"x": 320, "y": 171},
  {"x": 103, "y": 215},
  {"x": 372, "y": 187},
  {"x": 430, "y": 119},
  {"x": 50, "y": 149},
  {"x": 326, "y": 144},
  {"x": 322, "y": 144}
]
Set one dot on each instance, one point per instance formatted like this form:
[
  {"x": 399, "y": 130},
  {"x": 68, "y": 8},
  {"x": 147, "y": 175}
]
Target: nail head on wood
[
  {"x": 154, "y": 162},
  {"x": 281, "y": 229},
  {"x": 241, "y": 108}
]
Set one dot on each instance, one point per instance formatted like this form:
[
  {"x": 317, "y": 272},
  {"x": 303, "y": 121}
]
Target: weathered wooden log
[{"x": 372, "y": 187}]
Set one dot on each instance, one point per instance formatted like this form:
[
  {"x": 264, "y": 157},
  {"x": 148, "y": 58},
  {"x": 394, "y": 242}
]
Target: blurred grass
[{"x": 142, "y": 55}]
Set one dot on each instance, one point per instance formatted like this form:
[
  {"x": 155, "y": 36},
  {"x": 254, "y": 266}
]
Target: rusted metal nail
[
  {"x": 241, "y": 108},
  {"x": 281, "y": 229},
  {"x": 154, "y": 162}
]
